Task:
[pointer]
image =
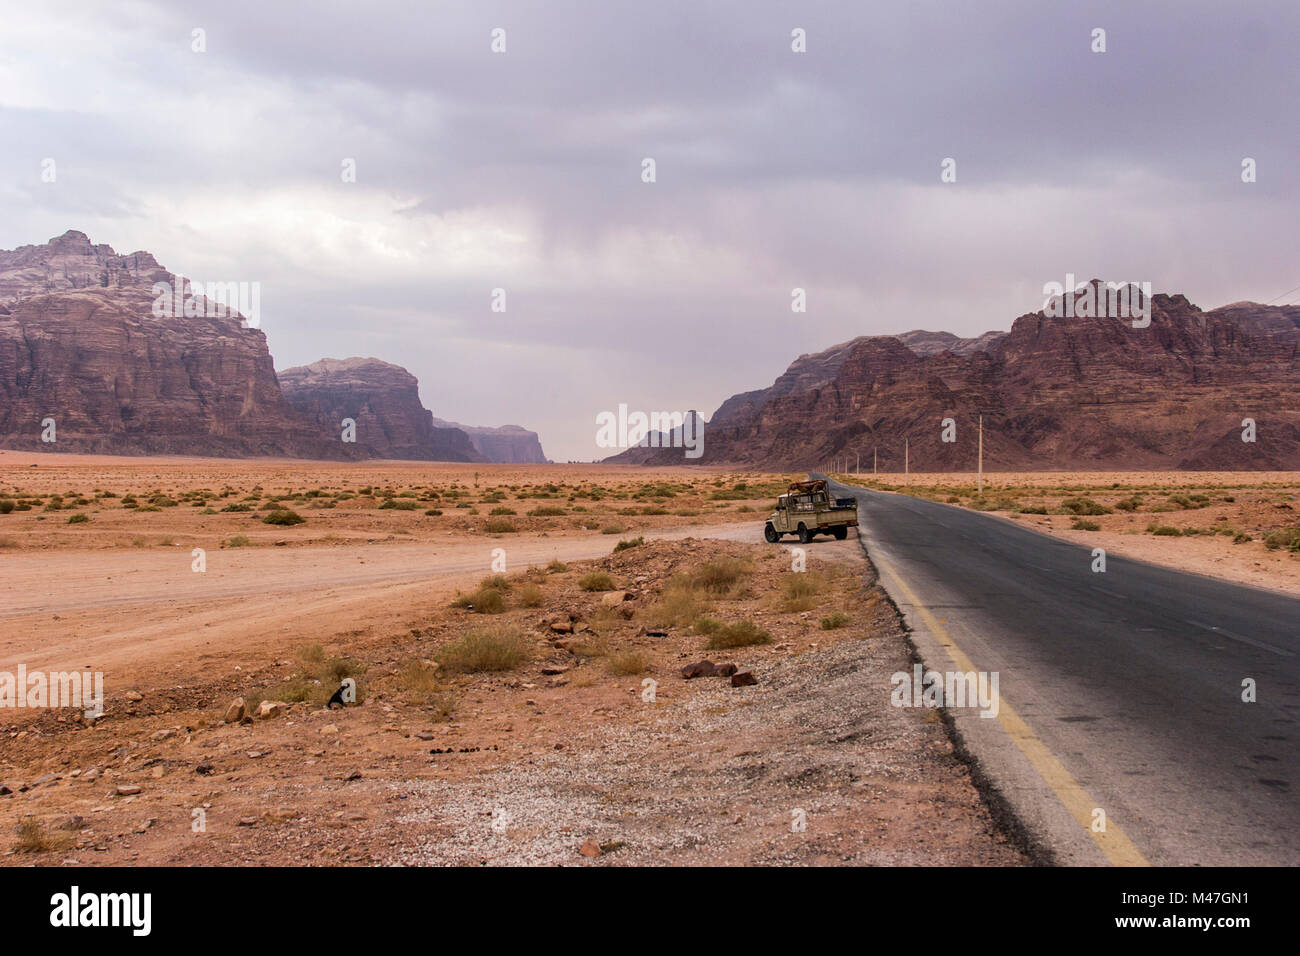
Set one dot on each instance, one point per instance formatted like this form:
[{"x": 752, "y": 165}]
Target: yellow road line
[{"x": 1117, "y": 847}]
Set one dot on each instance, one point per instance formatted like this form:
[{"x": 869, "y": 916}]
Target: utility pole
[
  {"x": 981, "y": 456},
  {"x": 907, "y": 469},
  {"x": 857, "y": 463},
  {"x": 873, "y": 459}
]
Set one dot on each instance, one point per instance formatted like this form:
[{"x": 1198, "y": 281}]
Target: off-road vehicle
[{"x": 807, "y": 509}]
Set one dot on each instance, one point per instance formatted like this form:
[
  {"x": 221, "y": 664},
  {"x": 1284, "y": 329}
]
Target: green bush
[
  {"x": 283, "y": 516},
  {"x": 596, "y": 581},
  {"x": 1164, "y": 530},
  {"x": 740, "y": 634},
  {"x": 1084, "y": 506},
  {"x": 78, "y": 519},
  {"x": 1288, "y": 538},
  {"x": 6, "y": 506},
  {"x": 627, "y": 543}
]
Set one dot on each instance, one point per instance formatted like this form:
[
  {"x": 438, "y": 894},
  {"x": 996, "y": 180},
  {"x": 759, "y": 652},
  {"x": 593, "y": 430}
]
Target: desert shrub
[
  {"x": 1081, "y": 524},
  {"x": 1132, "y": 503},
  {"x": 500, "y": 526},
  {"x": 740, "y": 634},
  {"x": 836, "y": 619},
  {"x": 613, "y": 529},
  {"x": 596, "y": 581},
  {"x": 707, "y": 625},
  {"x": 404, "y": 504},
  {"x": 283, "y": 516},
  {"x": 677, "y": 607},
  {"x": 229, "y": 507},
  {"x": 238, "y": 541},
  {"x": 629, "y": 662},
  {"x": 627, "y": 543},
  {"x": 1288, "y": 538},
  {"x": 721, "y": 575},
  {"x": 547, "y": 511},
  {"x": 654, "y": 510},
  {"x": 486, "y": 649},
  {"x": 1084, "y": 506},
  {"x": 482, "y": 601},
  {"x": 1033, "y": 510},
  {"x": 6, "y": 506},
  {"x": 78, "y": 519},
  {"x": 498, "y": 581},
  {"x": 36, "y": 837},
  {"x": 1241, "y": 538},
  {"x": 1164, "y": 530},
  {"x": 530, "y": 595},
  {"x": 503, "y": 511},
  {"x": 556, "y": 566},
  {"x": 799, "y": 592}
]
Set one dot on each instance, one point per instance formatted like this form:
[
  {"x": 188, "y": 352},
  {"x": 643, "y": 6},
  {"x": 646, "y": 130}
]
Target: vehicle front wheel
[
  {"x": 770, "y": 534},
  {"x": 841, "y": 533},
  {"x": 804, "y": 535}
]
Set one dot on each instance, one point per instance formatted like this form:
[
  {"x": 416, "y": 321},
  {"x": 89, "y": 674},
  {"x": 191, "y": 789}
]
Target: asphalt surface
[{"x": 1131, "y": 678}]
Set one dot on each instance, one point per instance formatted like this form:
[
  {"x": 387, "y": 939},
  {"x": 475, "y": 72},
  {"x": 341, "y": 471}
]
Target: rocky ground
[{"x": 555, "y": 728}]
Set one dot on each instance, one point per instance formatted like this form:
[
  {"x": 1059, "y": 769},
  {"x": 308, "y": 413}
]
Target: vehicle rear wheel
[
  {"x": 841, "y": 532},
  {"x": 804, "y": 535},
  {"x": 770, "y": 534}
]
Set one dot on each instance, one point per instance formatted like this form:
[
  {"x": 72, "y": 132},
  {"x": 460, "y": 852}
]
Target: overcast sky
[{"x": 522, "y": 170}]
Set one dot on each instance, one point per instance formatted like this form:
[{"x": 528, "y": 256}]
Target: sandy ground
[
  {"x": 523, "y": 766},
  {"x": 1222, "y": 537}
]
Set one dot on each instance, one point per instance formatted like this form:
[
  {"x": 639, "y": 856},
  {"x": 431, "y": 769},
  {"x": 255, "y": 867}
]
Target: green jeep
[{"x": 807, "y": 509}]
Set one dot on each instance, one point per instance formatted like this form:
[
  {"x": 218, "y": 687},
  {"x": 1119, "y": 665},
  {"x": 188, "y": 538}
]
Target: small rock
[
  {"x": 127, "y": 790},
  {"x": 743, "y": 679},
  {"x": 725, "y": 670},
  {"x": 330, "y": 729},
  {"x": 271, "y": 708},
  {"x": 562, "y": 627},
  {"x": 134, "y": 696},
  {"x": 204, "y": 768},
  {"x": 248, "y": 822},
  {"x": 553, "y": 669},
  {"x": 699, "y": 669},
  {"x": 613, "y": 598},
  {"x": 235, "y": 711},
  {"x": 354, "y": 775},
  {"x": 590, "y": 849}
]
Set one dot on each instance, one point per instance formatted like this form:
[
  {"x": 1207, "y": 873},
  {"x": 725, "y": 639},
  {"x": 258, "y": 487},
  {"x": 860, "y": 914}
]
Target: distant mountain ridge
[
  {"x": 80, "y": 344},
  {"x": 1056, "y": 393}
]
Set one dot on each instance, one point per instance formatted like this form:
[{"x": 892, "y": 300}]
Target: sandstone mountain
[
  {"x": 507, "y": 444},
  {"x": 80, "y": 343},
  {"x": 1056, "y": 393},
  {"x": 384, "y": 402}
]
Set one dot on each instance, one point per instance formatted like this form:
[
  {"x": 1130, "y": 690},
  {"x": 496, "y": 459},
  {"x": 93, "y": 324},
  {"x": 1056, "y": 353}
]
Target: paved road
[{"x": 1121, "y": 691}]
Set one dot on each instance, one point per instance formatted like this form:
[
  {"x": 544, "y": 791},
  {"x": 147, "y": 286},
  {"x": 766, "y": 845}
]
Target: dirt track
[{"x": 96, "y": 609}]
